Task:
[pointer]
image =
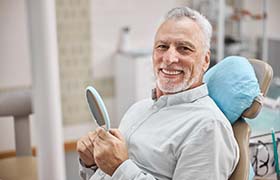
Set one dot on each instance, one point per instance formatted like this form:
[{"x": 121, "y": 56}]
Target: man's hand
[
  {"x": 110, "y": 150},
  {"x": 85, "y": 148}
]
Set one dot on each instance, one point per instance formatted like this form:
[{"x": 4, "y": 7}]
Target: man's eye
[
  {"x": 162, "y": 47},
  {"x": 183, "y": 48}
]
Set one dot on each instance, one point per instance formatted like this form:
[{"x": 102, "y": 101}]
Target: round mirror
[{"x": 97, "y": 107}]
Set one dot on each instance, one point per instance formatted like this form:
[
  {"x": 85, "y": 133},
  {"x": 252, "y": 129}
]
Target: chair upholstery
[
  {"x": 241, "y": 129},
  {"x": 264, "y": 75},
  {"x": 17, "y": 103},
  {"x": 242, "y": 135}
]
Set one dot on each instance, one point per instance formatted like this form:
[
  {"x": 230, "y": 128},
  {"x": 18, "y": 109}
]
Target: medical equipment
[{"x": 275, "y": 155}]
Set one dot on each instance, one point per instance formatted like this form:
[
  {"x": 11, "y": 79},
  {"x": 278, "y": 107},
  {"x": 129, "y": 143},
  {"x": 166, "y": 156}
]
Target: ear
[{"x": 206, "y": 61}]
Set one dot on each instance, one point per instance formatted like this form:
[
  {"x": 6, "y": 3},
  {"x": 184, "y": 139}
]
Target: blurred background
[{"x": 108, "y": 44}]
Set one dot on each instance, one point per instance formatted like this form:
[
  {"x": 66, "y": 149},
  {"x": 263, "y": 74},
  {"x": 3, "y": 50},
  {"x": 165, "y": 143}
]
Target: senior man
[{"x": 178, "y": 134}]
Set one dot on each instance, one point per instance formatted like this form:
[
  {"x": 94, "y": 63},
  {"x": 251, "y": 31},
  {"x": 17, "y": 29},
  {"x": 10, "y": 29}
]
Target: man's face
[{"x": 179, "y": 58}]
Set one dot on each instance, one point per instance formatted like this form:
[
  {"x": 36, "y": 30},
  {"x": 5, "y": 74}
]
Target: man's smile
[{"x": 170, "y": 73}]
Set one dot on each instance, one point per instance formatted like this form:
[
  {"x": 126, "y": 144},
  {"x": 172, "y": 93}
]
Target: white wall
[
  {"x": 273, "y": 24},
  {"x": 108, "y": 17},
  {"x": 253, "y": 28},
  {"x": 14, "y": 52}
]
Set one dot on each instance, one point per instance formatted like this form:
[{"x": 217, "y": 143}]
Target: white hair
[{"x": 202, "y": 22}]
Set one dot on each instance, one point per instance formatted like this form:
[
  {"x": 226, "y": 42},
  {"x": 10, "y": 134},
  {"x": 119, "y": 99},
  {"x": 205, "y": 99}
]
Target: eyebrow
[
  {"x": 185, "y": 43},
  {"x": 161, "y": 42}
]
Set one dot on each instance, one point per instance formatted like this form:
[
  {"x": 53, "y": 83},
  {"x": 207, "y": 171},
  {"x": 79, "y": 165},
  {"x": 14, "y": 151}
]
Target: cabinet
[{"x": 134, "y": 80}]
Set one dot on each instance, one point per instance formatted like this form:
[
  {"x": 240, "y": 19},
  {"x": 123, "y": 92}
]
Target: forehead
[{"x": 183, "y": 29}]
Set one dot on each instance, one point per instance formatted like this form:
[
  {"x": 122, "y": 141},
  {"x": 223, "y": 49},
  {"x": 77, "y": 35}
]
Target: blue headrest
[{"x": 233, "y": 85}]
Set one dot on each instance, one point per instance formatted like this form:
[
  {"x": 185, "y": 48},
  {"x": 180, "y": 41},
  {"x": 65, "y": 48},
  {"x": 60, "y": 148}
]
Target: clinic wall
[
  {"x": 253, "y": 29},
  {"x": 107, "y": 17},
  {"x": 273, "y": 19},
  {"x": 14, "y": 52}
]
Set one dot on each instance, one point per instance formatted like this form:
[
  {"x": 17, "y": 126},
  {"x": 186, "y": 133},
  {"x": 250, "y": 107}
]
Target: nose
[{"x": 170, "y": 56}]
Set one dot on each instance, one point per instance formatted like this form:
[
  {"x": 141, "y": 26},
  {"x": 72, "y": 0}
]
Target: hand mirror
[{"x": 97, "y": 107}]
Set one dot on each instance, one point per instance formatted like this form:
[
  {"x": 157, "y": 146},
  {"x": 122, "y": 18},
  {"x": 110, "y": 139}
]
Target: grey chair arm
[{"x": 18, "y": 103}]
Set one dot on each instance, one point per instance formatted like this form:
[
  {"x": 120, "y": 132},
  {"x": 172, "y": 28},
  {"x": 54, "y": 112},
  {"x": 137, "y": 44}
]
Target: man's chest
[{"x": 154, "y": 137}]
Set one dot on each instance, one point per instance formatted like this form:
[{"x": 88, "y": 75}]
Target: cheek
[
  {"x": 197, "y": 70},
  {"x": 192, "y": 70},
  {"x": 156, "y": 60},
  {"x": 188, "y": 65},
  {"x": 156, "y": 55},
  {"x": 155, "y": 65}
]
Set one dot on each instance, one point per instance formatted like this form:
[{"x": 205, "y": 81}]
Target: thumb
[{"x": 116, "y": 133}]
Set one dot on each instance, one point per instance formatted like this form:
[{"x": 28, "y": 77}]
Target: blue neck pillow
[{"x": 233, "y": 85}]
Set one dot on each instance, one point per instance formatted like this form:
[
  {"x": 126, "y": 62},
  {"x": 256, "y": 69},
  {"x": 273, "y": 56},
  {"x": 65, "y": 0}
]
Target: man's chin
[{"x": 171, "y": 89}]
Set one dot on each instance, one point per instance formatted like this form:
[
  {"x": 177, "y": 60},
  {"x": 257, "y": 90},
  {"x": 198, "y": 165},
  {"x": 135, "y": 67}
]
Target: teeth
[{"x": 171, "y": 72}]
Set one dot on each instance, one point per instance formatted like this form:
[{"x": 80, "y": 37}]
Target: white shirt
[{"x": 179, "y": 136}]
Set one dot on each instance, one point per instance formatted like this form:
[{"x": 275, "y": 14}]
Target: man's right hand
[{"x": 85, "y": 148}]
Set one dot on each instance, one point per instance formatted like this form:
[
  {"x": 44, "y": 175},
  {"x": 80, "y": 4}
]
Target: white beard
[{"x": 169, "y": 87}]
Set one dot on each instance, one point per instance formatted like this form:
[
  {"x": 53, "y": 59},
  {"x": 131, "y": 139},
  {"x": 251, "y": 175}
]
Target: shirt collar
[{"x": 187, "y": 96}]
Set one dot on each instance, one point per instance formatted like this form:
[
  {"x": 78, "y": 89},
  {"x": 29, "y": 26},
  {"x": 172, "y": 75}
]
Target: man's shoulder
[
  {"x": 144, "y": 103},
  {"x": 140, "y": 106},
  {"x": 212, "y": 111},
  {"x": 208, "y": 104},
  {"x": 136, "y": 111}
]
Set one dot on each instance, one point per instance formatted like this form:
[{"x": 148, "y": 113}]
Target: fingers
[
  {"x": 85, "y": 156},
  {"x": 92, "y": 135},
  {"x": 86, "y": 145},
  {"x": 116, "y": 133},
  {"x": 84, "y": 150},
  {"x": 87, "y": 142},
  {"x": 102, "y": 133},
  {"x": 113, "y": 133},
  {"x": 109, "y": 150}
]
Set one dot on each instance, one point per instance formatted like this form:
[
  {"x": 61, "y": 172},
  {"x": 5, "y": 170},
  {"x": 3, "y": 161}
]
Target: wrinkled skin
[{"x": 179, "y": 57}]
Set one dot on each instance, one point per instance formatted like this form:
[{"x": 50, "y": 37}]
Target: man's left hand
[{"x": 110, "y": 150}]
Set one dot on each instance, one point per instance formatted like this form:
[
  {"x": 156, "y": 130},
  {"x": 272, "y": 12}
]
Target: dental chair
[
  {"x": 241, "y": 129},
  {"x": 237, "y": 85}
]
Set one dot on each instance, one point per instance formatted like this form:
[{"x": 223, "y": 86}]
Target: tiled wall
[{"x": 73, "y": 27}]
